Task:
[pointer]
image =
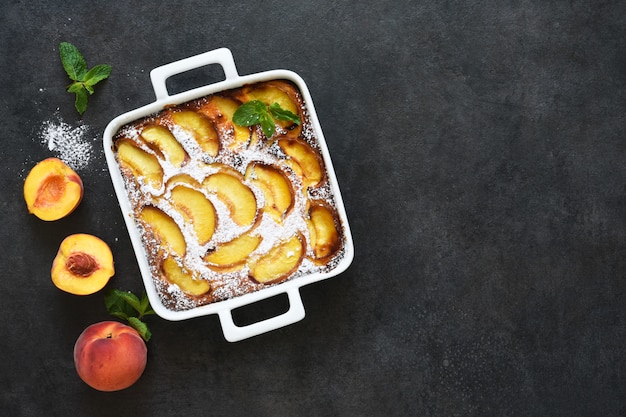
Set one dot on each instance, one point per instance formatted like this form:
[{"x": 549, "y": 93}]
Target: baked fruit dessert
[{"x": 230, "y": 194}]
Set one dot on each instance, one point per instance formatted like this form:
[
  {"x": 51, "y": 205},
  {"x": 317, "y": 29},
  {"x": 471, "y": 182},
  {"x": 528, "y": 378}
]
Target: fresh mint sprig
[
  {"x": 83, "y": 79},
  {"x": 256, "y": 112},
  {"x": 127, "y": 306}
]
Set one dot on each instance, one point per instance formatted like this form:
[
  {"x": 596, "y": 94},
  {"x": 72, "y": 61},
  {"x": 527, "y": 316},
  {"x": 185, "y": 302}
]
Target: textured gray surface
[{"x": 480, "y": 150}]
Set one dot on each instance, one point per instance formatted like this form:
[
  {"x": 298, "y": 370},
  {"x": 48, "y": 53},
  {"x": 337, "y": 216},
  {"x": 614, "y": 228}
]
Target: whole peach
[{"x": 110, "y": 356}]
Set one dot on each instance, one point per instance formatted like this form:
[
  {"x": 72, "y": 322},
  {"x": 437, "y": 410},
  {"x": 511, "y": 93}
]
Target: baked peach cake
[{"x": 226, "y": 208}]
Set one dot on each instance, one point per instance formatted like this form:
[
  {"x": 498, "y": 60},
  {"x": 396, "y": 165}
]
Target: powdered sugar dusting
[
  {"x": 72, "y": 144},
  {"x": 239, "y": 158}
]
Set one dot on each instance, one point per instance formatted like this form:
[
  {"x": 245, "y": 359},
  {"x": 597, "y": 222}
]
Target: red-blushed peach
[
  {"x": 110, "y": 356},
  {"x": 52, "y": 190}
]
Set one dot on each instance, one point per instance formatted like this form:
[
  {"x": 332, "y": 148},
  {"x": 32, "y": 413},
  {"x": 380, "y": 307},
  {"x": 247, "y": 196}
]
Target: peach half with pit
[
  {"x": 52, "y": 190},
  {"x": 110, "y": 356},
  {"x": 83, "y": 265}
]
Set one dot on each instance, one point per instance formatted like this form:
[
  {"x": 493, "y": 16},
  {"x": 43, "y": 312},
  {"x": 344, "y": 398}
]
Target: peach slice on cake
[
  {"x": 279, "y": 262},
  {"x": 52, "y": 190},
  {"x": 83, "y": 265},
  {"x": 220, "y": 109},
  {"x": 236, "y": 195},
  {"x": 323, "y": 233},
  {"x": 303, "y": 160},
  {"x": 235, "y": 252},
  {"x": 195, "y": 209},
  {"x": 276, "y": 189},
  {"x": 142, "y": 164},
  {"x": 164, "y": 228},
  {"x": 161, "y": 140},
  {"x": 182, "y": 277},
  {"x": 200, "y": 127},
  {"x": 183, "y": 179}
]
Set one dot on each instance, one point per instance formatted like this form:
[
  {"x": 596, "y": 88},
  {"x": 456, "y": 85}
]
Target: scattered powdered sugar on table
[{"x": 71, "y": 144}]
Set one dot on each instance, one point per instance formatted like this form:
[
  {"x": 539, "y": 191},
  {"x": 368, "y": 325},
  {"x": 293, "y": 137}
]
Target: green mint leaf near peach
[
  {"x": 127, "y": 306},
  {"x": 83, "y": 80},
  {"x": 141, "y": 327},
  {"x": 256, "y": 112},
  {"x": 279, "y": 113}
]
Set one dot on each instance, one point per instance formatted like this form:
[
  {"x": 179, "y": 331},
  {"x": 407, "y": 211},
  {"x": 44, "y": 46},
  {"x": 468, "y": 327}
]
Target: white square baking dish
[{"x": 223, "y": 309}]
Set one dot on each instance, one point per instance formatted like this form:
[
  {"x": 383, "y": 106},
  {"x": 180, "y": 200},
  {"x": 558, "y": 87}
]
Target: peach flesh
[
  {"x": 83, "y": 264},
  {"x": 52, "y": 190},
  {"x": 110, "y": 356}
]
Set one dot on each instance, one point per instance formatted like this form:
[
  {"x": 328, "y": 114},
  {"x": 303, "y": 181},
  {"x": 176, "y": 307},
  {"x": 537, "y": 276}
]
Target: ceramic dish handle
[
  {"x": 221, "y": 56},
  {"x": 234, "y": 333}
]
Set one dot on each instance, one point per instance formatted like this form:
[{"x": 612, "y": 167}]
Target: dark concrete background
[{"x": 480, "y": 150}]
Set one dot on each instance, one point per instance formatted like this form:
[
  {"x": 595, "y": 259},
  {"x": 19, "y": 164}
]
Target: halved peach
[
  {"x": 275, "y": 186},
  {"x": 163, "y": 141},
  {"x": 303, "y": 159},
  {"x": 197, "y": 210},
  {"x": 237, "y": 196},
  {"x": 83, "y": 265},
  {"x": 234, "y": 252},
  {"x": 182, "y": 277},
  {"x": 220, "y": 109},
  {"x": 143, "y": 165},
  {"x": 200, "y": 127},
  {"x": 324, "y": 236},
  {"x": 52, "y": 190},
  {"x": 279, "y": 262},
  {"x": 164, "y": 228}
]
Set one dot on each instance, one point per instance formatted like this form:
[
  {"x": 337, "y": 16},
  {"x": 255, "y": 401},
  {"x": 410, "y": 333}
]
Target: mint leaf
[
  {"x": 117, "y": 306},
  {"x": 267, "y": 124},
  {"x": 73, "y": 61},
  {"x": 145, "y": 306},
  {"x": 128, "y": 297},
  {"x": 76, "y": 67},
  {"x": 141, "y": 328},
  {"x": 256, "y": 112},
  {"x": 127, "y": 306},
  {"x": 81, "y": 101},
  {"x": 97, "y": 74},
  {"x": 279, "y": 113},
  {"x": 249, "y": 113},
  {"x": 75, "y": 87}
]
